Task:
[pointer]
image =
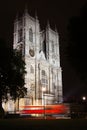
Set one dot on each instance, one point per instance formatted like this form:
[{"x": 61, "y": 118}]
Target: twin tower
[{"x": 40, "y": 50}]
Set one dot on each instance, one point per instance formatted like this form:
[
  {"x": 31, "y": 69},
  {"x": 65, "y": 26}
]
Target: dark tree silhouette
[
  {"x": 77, "y": 43},
  {"x": 12, "y": 70}
]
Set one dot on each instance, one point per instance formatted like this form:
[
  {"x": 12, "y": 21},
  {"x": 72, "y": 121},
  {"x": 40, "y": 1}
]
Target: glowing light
[
  {"x": 84, "y": 98},
  {"x": 43, "y": 89},
  {"x": 49, "y": 109}
]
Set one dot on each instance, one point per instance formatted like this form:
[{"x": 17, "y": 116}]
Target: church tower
[{"x": 40, "y": 50}]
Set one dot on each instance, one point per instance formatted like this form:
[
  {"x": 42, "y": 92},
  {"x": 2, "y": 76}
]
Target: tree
[
  {"x": 4, "y": 58},
  {"x": 77, "y": 43},
  {"x": 12, "y": 71},
  {"x": 16, "y": 76}
]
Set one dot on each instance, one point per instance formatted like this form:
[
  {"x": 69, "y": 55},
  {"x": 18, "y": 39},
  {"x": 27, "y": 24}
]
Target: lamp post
[
  {"x": 43, "y": 100},
  {"x": 83, "y": 98}
]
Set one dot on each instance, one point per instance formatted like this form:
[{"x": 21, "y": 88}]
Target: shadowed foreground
[{"x": 32, "y": 124}]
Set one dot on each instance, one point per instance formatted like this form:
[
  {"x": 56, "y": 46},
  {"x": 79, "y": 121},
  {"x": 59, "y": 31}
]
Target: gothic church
[{"x": 40, "y": 50}]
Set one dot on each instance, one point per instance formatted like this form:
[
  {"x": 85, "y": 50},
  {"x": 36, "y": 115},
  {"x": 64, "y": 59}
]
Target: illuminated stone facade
[{"x": 40, "y": 50}]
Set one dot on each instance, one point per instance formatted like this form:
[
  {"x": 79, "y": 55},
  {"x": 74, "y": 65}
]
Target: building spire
[
  {"x": 48, "y": 24},
  {"x": 36, "y": 14},
  {"x": 26, "y": 10},
  {"x": 55, "y": 28},
  {"x": 16, "y": 18}
]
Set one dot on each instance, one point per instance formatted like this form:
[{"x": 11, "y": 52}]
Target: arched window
[
  {"x": 52, "y": 46},
  {"x": 43, "y": 73},
  {"x": 32, "y": 69},
  {"x": 30, "y": 35},
  {"x": 44, "y": 80},
  {"x": 54, "y": 81},
  {"x": 20, "y": 35}
]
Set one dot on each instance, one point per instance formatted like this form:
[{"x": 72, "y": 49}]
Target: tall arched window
[
  {"x": 20, "y": 35},
  {"x": 52, "y": 46},
  {"x": 54, "y": 81},
  {"x": 43, "y": 73},
  {"x": 44, "y": 80},
  {"x": 30, "y": 35},
  {"x": 31, "y": 69}
]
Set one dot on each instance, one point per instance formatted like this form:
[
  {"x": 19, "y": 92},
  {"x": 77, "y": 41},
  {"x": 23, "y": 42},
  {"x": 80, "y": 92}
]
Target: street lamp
[
  {"x": 83, "y": 98},
  {"x": 43, "y": 99}
]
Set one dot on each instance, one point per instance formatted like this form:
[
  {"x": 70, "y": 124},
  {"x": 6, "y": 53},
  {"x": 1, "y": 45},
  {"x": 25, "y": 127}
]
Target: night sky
[{"x": 58, "y": 13}]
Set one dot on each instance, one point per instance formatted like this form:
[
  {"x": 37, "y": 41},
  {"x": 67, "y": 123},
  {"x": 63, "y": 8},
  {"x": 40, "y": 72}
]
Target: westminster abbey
[{"x": 40, "y": 50}]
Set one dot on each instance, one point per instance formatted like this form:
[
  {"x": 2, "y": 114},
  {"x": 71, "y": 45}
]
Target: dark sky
[{"x": 58, "y": 12}]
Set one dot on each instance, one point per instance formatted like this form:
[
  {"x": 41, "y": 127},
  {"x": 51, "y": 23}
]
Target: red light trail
[{"x": 48, "y": 109}]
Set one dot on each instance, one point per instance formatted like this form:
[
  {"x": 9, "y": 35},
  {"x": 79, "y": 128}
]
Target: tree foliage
[
  {"x": 12, "y": 71},
  {"x": 16, "y": 76}
]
